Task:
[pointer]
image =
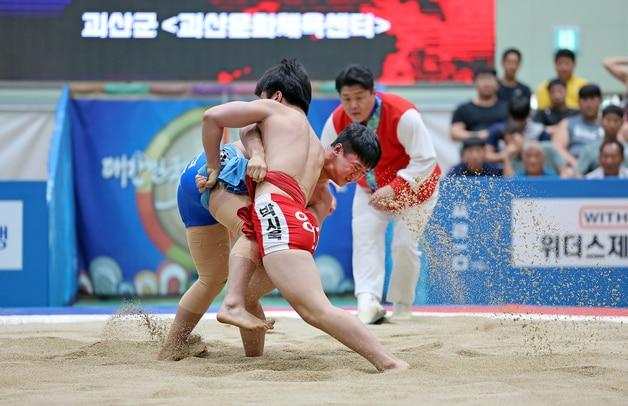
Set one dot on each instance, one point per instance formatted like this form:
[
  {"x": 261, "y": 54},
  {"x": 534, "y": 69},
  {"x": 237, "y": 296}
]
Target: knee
[
  {"x": 309, "y": 317},
  {"x": 313, "y": 316},
  {"x": 212, "y": 281}
]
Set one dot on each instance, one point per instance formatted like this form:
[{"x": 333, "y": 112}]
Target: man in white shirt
[
  {"x": 402, "y": 187},
  {"x": 611, "y": 162}
]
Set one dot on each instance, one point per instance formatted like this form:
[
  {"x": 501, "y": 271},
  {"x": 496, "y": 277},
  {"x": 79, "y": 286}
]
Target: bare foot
[
  {"x": 192, "y": 347},
  {"x": 165, "y": 354},
  {"x": 239, "y": 317},
  {"x": 396, "y": 366}
]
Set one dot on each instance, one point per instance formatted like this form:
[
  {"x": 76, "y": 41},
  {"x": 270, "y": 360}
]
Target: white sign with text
[{"x": 570, "y": 232}]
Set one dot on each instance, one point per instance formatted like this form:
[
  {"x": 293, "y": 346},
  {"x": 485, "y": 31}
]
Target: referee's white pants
[{"x": 369, "y": 247}]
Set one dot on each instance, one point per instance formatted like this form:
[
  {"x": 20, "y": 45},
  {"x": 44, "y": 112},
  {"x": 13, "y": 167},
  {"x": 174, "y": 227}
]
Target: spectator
[
  {"x": 472, "y": 119},
  {"x": 611, "y": 160},
  {"x": 558, "y": 109},
  {"x": 518, "y": 116},
  {"x": 403, "y": 188},
  {"x": 533, "y": 161},
  {"x": 612, "y": 121},
  {"x": 564, "y": 63},
  {"x": 474, "y": 161},
  {"x": 618, "y": 67},
  {"x": 574, "y": 132},
  {"x": 515, "y": 142},
  {"x": 518, "y": 121},
  {"x": 509, "y": 86}
]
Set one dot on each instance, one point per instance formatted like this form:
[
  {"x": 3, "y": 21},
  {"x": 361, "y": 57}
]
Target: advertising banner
[
  {"x": 223, "y": 40},
  {"x": 490, "y": 241},
  {"x": 590, "y": 233},
  {"x": 538, "y": 242},
  {"x": 128, "y": 156},
  {"x": 24, "y": 277}
]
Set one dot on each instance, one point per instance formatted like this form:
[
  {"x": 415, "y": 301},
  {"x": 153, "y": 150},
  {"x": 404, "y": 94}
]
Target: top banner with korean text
[
  {"x": 128, "y": 157},
  {"x": 222, "y": 40},
  {"x": 540, "y": 242}
]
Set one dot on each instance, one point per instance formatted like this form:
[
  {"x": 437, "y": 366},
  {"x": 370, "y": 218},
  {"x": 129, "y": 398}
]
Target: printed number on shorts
[
  {"x": 306, "y": 221},
  {"x": 299, "y": 215}
]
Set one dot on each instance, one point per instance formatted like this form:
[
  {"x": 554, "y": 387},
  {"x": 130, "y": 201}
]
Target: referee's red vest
[{"x": 394, "y": 156}]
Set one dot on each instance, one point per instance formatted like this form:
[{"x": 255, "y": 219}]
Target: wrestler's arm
[
  {"x": 238, "y": 144},
  {"x": 251, "y": 138},
  {"x": 229, "y": 115},
  {"x": 322, "y": 203}
]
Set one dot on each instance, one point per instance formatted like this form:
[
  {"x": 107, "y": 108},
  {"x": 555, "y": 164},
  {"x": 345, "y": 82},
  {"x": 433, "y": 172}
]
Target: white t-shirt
[{"x": 599, "y": 173}]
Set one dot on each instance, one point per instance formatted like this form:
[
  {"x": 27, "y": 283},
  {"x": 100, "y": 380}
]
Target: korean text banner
[
  {"x": 539, "y": 242},
  {"x": 223, "y": 40},
  {"x": 128, "y": 156}
]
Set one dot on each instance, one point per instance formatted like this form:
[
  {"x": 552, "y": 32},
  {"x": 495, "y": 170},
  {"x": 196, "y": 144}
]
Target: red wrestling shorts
[{"x": 280, "y": 223}]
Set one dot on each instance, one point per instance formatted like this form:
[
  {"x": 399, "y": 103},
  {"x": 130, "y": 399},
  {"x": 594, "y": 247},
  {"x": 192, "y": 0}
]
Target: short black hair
[
  {"x": 556, "y": 82},
  {"x": 473, "y": 142},
  {"x": 355, "y": 74},
  {"x": 508, "y": 51},
  {"x": 590, "y": 91},
  {"x": 291, "y": 79},
  {"x": 362, "y": 141},
  {"x": 484, "y": 70},
  {"x": 512, "y": 129},
  {"x": 619, "y": 145},
  {"x": 565, "y": 53},
  {"x": 519, "y": 107},
  {"x": 613, "y": 109}
]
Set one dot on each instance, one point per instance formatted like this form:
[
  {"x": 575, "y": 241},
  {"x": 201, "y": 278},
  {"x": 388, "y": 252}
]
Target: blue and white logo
[
  {"x": 11, "y": 233},
  {"x": 4, "y": 236}
]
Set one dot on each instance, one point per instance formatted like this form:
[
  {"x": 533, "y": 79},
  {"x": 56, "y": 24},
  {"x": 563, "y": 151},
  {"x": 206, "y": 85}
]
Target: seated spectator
[
  {"x": 518, "y": 116},
  {"x": 515, "y": 143},
  {"x": 518, "y": 121},
  {"x": 533, "y": 161},
  {"x": 612, "y": 121},
  {"x": 509, "y": 86},
  {"x": 473, "y": 118},
  {"x": 474, "y": 162},
  {"x": 611, "y": 162},
  {"x": 558, "y": 109},
  {"x": 564, "y": 63},
  {"x": 575, "y": 132}
]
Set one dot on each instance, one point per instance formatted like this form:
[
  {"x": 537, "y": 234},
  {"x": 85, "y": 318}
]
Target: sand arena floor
[{"x": 454, "y": 360}]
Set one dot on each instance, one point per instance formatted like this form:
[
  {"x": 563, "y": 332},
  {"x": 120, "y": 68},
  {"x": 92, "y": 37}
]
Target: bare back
[{"x": 292, "y": 147}]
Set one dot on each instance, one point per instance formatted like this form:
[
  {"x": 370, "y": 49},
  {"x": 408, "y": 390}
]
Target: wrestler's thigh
[
  {"x": 209, "y": 248},
  {"x": 224, "y": 207},
  {"x": 295, "y": 275}
]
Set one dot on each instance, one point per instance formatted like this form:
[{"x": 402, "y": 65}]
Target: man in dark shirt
[
  {"x": 472, "y": 119},
  {"x": 474, "y": 161},
  {"x": 558, "y": 110},
  {"x": 509, "y": 86}
]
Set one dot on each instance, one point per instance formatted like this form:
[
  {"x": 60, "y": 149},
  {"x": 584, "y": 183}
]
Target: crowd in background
[{"x": 563, "y": 129}]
